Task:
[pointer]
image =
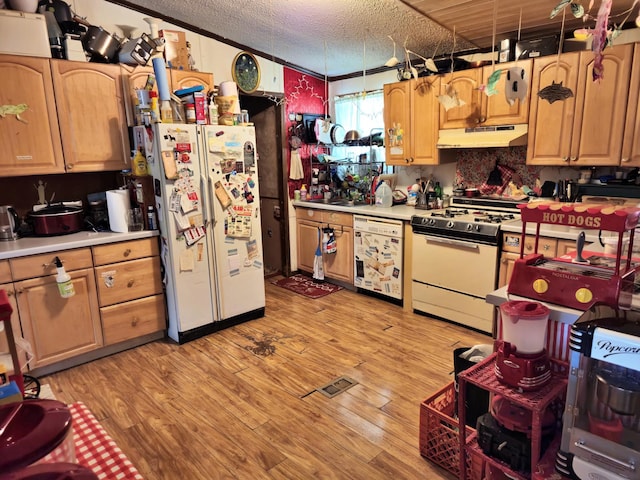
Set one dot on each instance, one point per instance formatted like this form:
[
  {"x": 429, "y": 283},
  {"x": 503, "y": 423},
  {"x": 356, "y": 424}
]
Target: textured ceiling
[
  {"x": 341, "y": 37},
  {"x": 355, "y": 31}
]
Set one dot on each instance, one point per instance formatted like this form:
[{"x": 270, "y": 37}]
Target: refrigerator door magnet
[{"x": 222, "y": 195}]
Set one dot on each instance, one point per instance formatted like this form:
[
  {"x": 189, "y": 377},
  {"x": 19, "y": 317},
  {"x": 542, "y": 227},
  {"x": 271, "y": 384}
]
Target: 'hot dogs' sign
[{"x": 582, "y": 215}]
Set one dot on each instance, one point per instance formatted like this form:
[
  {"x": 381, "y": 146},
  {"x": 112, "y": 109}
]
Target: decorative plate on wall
[{"x": 246, "y": 72}]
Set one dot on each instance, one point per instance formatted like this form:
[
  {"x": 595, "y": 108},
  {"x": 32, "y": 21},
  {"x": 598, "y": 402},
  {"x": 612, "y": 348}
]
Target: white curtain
[{"x": 360, "y": 112}]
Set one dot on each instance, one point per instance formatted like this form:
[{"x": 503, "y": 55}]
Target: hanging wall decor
[{"x": 556, "y": 91}]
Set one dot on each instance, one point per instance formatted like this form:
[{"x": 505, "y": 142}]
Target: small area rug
[{"x": 306, "y": 286}]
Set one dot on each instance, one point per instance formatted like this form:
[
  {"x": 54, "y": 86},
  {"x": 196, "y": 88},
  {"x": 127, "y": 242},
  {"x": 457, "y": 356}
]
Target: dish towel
[{"x": 295, "y": 170}]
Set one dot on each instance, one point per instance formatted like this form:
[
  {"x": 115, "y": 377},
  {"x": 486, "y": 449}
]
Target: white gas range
[{"x": 455, "y": 259}]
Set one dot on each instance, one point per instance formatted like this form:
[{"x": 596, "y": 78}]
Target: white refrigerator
[{"x": 208, "y": 208}]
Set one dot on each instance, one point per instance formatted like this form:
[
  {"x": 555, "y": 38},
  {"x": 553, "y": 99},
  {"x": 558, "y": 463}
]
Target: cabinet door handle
[
  {"x": 573, "y": 159},
  {"x": 134, "y": 321},
  {"x": 625, "y": 160},
  {"x": 19, "y": 291},
  {"x": 127, "y": 252},
  {"x": 10, "y": 293},
  {"x": 69, "y": 166},
  {"x": 565, "y": 159},
  {"x": 130, "y": 283}
]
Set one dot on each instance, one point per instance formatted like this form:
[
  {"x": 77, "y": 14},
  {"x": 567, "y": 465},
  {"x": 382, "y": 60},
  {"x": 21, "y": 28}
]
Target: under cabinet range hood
[{"x": 483, "y": 137}]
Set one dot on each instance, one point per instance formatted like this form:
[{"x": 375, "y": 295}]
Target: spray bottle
[{"x": 65, "y": 285}]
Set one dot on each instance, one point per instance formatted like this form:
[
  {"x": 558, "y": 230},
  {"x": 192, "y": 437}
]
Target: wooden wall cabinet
[
  {"x": 586, "y": 129},
  {"x": 137, "y": 78},
  {"x": 337, "y": 266},
  {"x": 31, "y": 146},
  {"x": 631, "y": 141},
  {"x": 91, "y": 113},
  {"x": 480, "y": 109},
  {"x": 413, "y": 106}
]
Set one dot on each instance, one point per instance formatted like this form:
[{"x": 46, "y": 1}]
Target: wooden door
[
  {"x": 92, "y": 116},
  {"x": 466, "y": 84},
  {"x": 397, "y": 117},
  {"x": 15, "y": 325},
  {"x": 307, "y": 239},
  {"x": 188, "y": 78},
  {"x": 496, "y": 109},
  {"x": 59, "y": 328},
  {"x": 631, "y": 141},
  {"x": 598, "y": 127},
  {"x": 550, "y": 124},
  {"x": 507, "y": 261},
  {"x": 339, "y": 265},
  {"x": 30, "y": 144},
  {"x": 425, "y": 111}
]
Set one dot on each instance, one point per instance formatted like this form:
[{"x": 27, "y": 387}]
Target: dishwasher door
[{"x": 377, "y": 248}]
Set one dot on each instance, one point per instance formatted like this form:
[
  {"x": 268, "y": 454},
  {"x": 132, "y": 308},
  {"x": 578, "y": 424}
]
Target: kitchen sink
[{"x": 342, "y": 202}]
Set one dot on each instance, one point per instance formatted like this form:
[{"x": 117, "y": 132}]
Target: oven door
[
  {"x": 451, "y": 279},
  {"x": 453, "y": 264}
]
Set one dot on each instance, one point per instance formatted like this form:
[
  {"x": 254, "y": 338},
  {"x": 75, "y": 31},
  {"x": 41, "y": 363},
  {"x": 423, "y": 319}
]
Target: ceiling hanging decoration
[
  {"x": 517, "y": 84},
  {"x": 490, "y": 88},
  {"x": 450, "y": 98},
  {"x": 393, "y": 61},
  {"x": 556, "y": 91}
]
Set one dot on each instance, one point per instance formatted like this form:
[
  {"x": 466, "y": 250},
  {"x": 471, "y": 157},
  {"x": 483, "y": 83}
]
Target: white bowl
[{"x": 28, "y": 6}]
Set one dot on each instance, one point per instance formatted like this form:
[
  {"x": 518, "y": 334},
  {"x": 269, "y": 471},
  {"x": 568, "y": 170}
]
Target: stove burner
[
  {"x": 492, "y": 217},
  {"x": 450, "y": 213}
]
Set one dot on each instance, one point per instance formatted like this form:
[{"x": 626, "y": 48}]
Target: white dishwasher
[{"x": 377, "y": 248}]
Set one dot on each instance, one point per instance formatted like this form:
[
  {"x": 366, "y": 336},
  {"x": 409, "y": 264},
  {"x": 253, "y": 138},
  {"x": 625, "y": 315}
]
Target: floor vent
[{"x": 337, "y": 386}]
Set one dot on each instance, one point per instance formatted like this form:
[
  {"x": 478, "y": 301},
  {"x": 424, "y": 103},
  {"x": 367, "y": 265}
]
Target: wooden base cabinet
[
  {"x": 339, "y": 265},
  {"x": 129, "y": 289},
  {"x": 118, "y": 299},
  {"x": 59, "y": 328}
]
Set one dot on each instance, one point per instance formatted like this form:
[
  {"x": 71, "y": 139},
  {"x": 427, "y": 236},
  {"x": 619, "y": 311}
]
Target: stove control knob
[
  {"x": 450, "y": 224},
  {"x": 432, "y": 221},
  {"x": 477, "y": 228},
  {"x": 469, "y": 226}
]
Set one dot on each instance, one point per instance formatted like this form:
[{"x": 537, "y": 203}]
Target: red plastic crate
[{"x": 439, "y": 434}]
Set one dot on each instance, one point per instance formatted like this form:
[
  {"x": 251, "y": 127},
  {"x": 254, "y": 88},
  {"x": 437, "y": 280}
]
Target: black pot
[
  {"x": 57, "y": 220},
  {"x": 100, "y": 44}
]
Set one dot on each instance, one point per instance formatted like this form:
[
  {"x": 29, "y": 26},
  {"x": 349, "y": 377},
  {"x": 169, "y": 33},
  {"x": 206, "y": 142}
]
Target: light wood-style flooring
[{"x": 241, "y": 403}]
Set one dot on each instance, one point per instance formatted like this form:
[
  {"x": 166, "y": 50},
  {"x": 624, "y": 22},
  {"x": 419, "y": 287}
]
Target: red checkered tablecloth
[{"x": 96, "y": 450}]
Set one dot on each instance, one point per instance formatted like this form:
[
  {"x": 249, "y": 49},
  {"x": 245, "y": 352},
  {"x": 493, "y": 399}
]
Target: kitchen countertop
[
  {"x": 35, "y": 245},
  {"x": 554, "y": 231},
  {"x": 396, "y": 212}
]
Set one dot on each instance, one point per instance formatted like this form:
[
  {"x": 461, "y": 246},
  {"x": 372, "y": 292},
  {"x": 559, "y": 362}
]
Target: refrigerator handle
[
  {"x": 205, "y": 199},
  {"x": 210, "y": 202}
]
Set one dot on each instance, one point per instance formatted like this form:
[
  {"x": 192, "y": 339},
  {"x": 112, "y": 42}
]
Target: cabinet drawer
[
  {"x": 123, "y": 251},
  {"x": 133, "y": 319},
  {"x": 338, "y": 218},
  {"x": 121, "y": 282},
  {"x": 5, "y": 271},
  {"x": 41, "y": 265},
  {"x": 308, "y": 214},
  {"x": 546, "y": 246}
]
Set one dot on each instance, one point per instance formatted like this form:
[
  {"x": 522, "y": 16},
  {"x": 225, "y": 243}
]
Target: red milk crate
[{"x": 439, "y": 434}]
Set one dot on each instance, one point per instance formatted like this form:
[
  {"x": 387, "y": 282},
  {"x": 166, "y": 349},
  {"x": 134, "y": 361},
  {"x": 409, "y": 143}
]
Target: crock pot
[
  {"x": 57, "y": 220},
  {"x": 35, "y": 432}
]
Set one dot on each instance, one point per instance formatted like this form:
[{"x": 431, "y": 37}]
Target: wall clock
[{"x": 246, "y": 72}]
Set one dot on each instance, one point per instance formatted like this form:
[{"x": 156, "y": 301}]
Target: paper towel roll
[
  {"x": 118, "y": 204},
  {"x": 160, "y": 71},
  {"x": 228, "y": 89}
]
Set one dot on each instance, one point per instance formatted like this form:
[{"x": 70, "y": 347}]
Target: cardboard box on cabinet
[{"x": 176, "y": 54}]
